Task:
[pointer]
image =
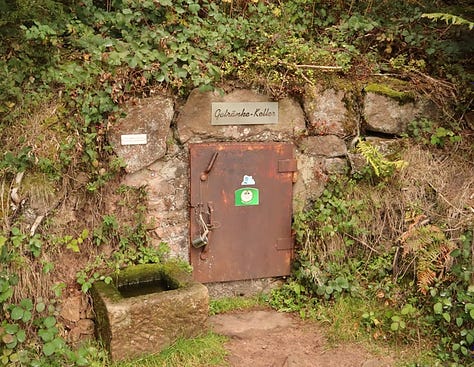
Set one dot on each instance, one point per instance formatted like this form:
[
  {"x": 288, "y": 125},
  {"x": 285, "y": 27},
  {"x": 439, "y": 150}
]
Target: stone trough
[{"x": 148, "y": 307}]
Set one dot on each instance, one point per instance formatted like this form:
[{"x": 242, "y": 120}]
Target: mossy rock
[
  {"x": 170, "y": 273},
  {"x": 388, "y": 91},
  {"x": 133, "y": 326}
]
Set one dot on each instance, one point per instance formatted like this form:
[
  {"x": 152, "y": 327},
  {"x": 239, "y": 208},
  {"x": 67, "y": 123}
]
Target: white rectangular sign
[
  {"x": 244, "y": 113},
  {"x": 133, "y": 139}
]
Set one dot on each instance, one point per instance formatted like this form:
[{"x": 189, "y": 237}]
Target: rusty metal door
[{"x": 241, "y": 208}]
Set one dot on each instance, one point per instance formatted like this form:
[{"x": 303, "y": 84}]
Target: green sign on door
[{"x": 246, "y": 196}]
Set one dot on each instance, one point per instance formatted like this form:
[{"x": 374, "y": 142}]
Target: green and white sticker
[{"x": 246, "y": 196}]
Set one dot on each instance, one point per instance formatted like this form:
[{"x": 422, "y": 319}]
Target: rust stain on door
[{"x": 241, "y": 208}]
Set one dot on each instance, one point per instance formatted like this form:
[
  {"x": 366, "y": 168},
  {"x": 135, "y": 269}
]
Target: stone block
[
  {"x": 327, "y": 111},
  {"x": 387, "y": 115},
  {"x": 71, "y": 309},
  {"x": 167, "y": 183},
  {"x": 194, "y": 120},
  {"x": 328, "y": 146},
  {"x": 336, "y": 166},
  {"x": 311, "y": 182},
  {"x": 142, "y": 324},
  {"x": 152, "y": 117}
]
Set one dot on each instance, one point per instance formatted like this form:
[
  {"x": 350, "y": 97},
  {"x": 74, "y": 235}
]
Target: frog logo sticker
[{"x": 246, "y": 196}]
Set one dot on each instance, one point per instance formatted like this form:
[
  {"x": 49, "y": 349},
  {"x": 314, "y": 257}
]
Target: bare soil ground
[{"x": 266, "y": 338}]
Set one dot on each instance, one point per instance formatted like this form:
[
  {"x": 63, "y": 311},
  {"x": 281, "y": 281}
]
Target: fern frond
[
  {"x": 428, "y": 247},
  {"x": 417, "y": 239},
  {"x": 424, "y": 279},
  {"x": 382, "y": 167},
  {"x": 449, "y": 19}
]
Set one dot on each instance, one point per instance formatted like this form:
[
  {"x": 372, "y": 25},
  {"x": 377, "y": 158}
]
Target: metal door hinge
[
  {"x": 285, "y": 243},
  {"x": 287, "y": 165}
]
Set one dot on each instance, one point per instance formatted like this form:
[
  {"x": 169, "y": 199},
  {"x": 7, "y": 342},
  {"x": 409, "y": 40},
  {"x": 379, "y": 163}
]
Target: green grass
[
  {"x": 341, "y": 322},
  {"x": 205, "y": 350},
  {"x": 227, "y": 304}
]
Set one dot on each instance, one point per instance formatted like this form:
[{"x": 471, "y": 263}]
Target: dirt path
[{"x": 266, "y": 338}]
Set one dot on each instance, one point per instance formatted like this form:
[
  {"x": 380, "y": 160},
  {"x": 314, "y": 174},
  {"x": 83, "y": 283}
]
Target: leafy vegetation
[
  {"x": 401, "y": 258},
  {"x": 68, "y": 67}
]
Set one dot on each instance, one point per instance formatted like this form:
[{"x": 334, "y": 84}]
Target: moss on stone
[
  {"x": 139, "y": 273},
  {"x": 133, "y": 326},
  {"x": 171, "y": 274},
  {"x": 385, "y": 90},
  {"x": 109, "y": 291}
]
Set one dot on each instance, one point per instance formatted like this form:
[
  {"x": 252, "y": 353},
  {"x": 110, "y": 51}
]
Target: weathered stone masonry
[{"x": 321, "y": 129}]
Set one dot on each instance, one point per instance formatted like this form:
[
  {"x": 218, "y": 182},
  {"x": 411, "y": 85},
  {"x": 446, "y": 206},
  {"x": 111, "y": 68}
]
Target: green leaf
[
  {"x": 408, "y": 308},
  {"x": 459, "y": 321},
  {"x": 27, "y": 304},
  {"x": 85, "y": 234},
  {"x": 74, "y": 246},
  {"x": 26, "y": 316},
  {"x": 13, "y": 344},
  {"x": 11, "y": 328},
  {"x": 46, "y": 334},
  {"x": 21, "y": 336},
  {"x": 470, "y": 338},
  {"x": 82, "y": 361},
  {"x": 49, "y": 321},
  {"x": 342, "y": 282},
  {"x": 447, "y": 316},
  {"x": 17, "y": 313},
  {"x": 394, "y": 326},
  {"x": 455, "y": 253},
  {"x": 86, "y": 286},
  {"x": 438, "y": 308},
  {"x": 40, "y": 307},
  {"x": 194, "y": 8},
  {"x": 3, "y": 240},
  {"x": 49, "y": 348},
  {"x": 14, "y": 357},
  {"x": 206, "y": 88}
]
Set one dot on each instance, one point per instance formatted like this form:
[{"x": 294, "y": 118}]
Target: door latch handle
[
  {"x": 202, "y": 239},
  {"x": 210, "y": 207},
  {"x": 209, "y": 167}
]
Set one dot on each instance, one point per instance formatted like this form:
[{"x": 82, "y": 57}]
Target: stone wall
[{"x": 322, "y": 128}]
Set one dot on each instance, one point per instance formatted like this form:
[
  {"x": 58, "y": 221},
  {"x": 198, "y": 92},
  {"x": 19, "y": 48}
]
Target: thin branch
[
  {"x": 362, "y": 243},
  {"x": 4, "y": 204},
  {"x": 446, "y": 200},
  {"x": 308, "y": 66},
  {"x": 321, "y": 67},
  {"x": 307, "y": 80},
  {"x": 35, "y": 225}
]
